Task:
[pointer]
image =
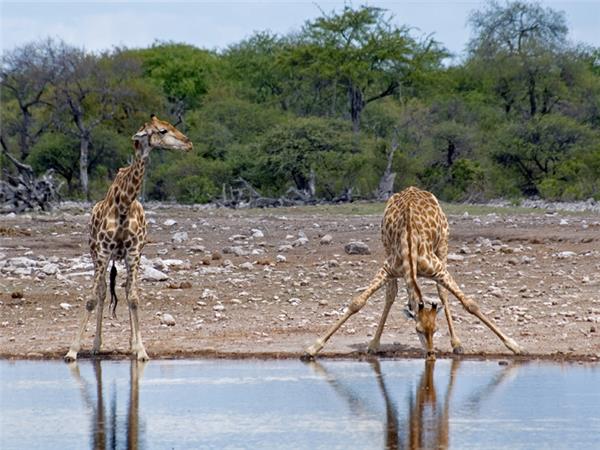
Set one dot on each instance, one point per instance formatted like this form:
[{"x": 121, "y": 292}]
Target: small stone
[
  {"x": 216, "y": 256},
  {"x": 180, "y": 237},
  {"x": 326, "y": 240},
  {"x": 218, "y": 307},
  {"x": 167, "y": 319},
  {"x": 300, "y": 242},
  {"x": 455, "y": 257},
  {"x": 169, "y": 222},
  {"x": 206, "y": 260},
  {"x": 50, "y": 269},
  {"x": 247, "y": 266},
  {"x": 257, "y": 234},
  {"x": 357, "y": 248},
  {"x": 280, "y": 258},
  {"x": 16, "y": 294},
  {"x": 66, "y": 306},
  {"x": 151, "y": 274},
  {"x": 565, "y": 255},
  {"x": 284, "y": 248},
  {"x": 264, "y": 262}
]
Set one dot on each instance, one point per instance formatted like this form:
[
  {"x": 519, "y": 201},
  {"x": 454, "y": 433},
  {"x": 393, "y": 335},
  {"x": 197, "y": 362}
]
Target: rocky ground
[{"x": 266, "y": 283}]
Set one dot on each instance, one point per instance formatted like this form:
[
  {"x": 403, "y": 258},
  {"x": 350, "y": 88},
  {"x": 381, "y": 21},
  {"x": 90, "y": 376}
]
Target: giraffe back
[{"x": 413, "y": 218}]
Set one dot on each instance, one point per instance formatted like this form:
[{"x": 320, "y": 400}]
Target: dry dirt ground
[{"x": 535, "y": 273}]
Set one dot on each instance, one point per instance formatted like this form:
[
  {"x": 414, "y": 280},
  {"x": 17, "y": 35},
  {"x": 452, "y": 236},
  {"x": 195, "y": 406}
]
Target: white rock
[
  {"x": 247, "y": 266},
  {"x": 218, "y": 307},
  {"x": 66, "y": 306},
  {"x": 180, "y": 237},
  {"x": 455, "y": 257},
  {"x": 565, "y": 255},
  {"x": 256, "y": 233},
  {"x": 209, "y": 294},
  {"x": 300, "y": 242},
  {"x": 167, "y": 319},
  {"x": 326, "y": 240},
  {"x": 169, "y": 222},
  {"x": 280, "y": 258},
  {"x": 235, "y": 250},
  {"x": 151, "y": 274},
  {"x": 284, "y": 248},
  {"x": 50, "y": 269},
  {"x": 22, "y": 261}
]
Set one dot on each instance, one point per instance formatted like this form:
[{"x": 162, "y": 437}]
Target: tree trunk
[
  {"x": 23, "y": 137},
  {"x": 531, "y": 94},
  {"x": 357, "y": 103},
  {"x": 386, "y": 183},
  {"x": 84, "y": 150}
]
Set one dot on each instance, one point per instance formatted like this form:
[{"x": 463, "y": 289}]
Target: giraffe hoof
[
  {"x": 71, "y": 356},
  {"x": 314, "y": 349},
  {"x": 458, "y": 350},
  {"x": 373, "y": 349}
]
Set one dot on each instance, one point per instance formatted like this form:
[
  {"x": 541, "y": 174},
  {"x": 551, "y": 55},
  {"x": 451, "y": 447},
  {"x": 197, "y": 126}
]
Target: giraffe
[
  {"x": 118, "y": 232},
  {"x": 415, "y": 239}
]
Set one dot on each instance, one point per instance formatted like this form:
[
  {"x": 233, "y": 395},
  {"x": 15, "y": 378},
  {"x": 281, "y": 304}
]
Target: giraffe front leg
[
  {"x": 390, "y": 295},
  {"x": 446, "y": 280},
  {"x": 355, "y": 306},
  {"x": 454, "y": 340},
  {"x": 132, "y": 294}
]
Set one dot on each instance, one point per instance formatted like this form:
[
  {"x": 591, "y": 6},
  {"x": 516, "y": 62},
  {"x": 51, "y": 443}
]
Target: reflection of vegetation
[
  {"x": 104, "y": 429},
  {"x": 317, "y": 109}
]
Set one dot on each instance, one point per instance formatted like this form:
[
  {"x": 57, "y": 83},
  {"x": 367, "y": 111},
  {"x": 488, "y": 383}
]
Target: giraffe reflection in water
[
  {"x": 426, "y": 422},
  {"x": 106, "y": 430}
]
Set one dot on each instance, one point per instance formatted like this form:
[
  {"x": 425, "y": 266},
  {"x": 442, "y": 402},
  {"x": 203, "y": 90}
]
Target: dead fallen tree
[
  {"x": 243, "y": 195},
  {"x": 24, "y": 191}
]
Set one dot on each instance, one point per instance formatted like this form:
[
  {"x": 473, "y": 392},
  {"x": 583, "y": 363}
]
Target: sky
[{"x": 215, "y": 25}]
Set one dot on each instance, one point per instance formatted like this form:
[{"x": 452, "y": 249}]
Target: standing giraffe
[
  {"x": 415, "y": 238},
  {"x": 118, "y": 231}
]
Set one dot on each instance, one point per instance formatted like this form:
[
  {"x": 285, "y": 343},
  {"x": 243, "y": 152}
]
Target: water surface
[{"x": 288, "y": 404}]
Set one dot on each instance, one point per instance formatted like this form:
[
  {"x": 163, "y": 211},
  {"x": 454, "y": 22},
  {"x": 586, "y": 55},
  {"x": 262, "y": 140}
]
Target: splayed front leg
[{"x": 355, "y": 306}]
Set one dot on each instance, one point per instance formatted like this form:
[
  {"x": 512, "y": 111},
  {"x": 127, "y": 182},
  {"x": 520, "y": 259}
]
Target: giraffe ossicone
[
  {"x": 118, "y": 232},
  {"x": 415, "y": 239}
]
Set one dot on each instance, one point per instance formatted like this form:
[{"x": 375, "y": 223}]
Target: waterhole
[{"x": 288, "y": 404}]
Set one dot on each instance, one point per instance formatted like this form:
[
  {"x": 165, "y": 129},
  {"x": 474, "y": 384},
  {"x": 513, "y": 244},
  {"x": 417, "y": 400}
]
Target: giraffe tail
[{"x": 113, "y": 295}]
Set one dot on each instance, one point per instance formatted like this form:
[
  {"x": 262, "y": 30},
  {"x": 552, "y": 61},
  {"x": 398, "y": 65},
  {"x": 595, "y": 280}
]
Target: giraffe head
[
  {"x": 158, "y": 133},
  {"x": 426, "y": 326}
]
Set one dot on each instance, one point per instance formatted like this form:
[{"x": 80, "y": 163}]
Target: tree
[
  {"x": 358, "y": 54},
  {"x": 25, "y": 77},
  {"x": 306, "y": 151},
  {"x": 90, "y": 91},
  {"x": 519, "y": 46},
  {"x": 183, "y": 73}
]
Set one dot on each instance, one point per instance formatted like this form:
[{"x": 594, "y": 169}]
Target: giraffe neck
[{"x": 128, "y": 184}]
